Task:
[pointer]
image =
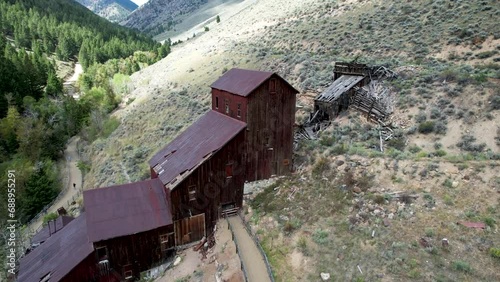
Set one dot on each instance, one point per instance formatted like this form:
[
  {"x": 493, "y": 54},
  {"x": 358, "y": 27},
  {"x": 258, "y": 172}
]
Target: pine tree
[{"x": 54, "y": 84}]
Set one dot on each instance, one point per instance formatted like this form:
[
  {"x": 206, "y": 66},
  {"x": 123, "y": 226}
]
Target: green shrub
[
  {"x": 495, "y": 252},
  {"x": 50, "y": 216},
  {"x": 489, "y": 221},
  {"x": 415, "y": 149},
  {"x": 426, "y": 127},
  {"x": 461, "y": 266},
  {"x": 440, "y": 153},
  {"x": 320, "y": 237},
  {"x": 448, "y": 183},
  {"x": 109, "y": 126},
  {"x": 321, "y": 165},
  {"x": 467, "y": 144}
]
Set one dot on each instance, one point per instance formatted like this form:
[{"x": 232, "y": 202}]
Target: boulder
[{"x": 325, "y": 276}]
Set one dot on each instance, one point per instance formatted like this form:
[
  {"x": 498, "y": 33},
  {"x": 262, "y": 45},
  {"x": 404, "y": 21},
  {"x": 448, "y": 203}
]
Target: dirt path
[
  {"x": 249, "y": 253},
  {"x": 69, "y": 84},
  {"x": 69, "y": 193},
  {"x": 76, "y": 73}
]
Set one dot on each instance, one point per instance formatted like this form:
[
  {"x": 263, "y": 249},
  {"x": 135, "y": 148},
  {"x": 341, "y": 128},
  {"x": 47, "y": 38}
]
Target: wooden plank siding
[
  {"x": 211, "y": 185},
  {"x": 139, "y": 251},
  {"x": 270, "y": 123},
  {"x": 189, "y": 229},
  {"x": 220, "y": 97},
  {"x": 85, "y": 271}
]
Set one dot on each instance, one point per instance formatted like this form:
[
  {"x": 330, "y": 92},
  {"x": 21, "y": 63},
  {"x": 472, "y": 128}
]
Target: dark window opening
[
  {"x": 102, "y": 254},
  {"x": 229, "y": 170},
  {"x": 192, "y": 192},
  {"x": 216, "y": 102},
  {"x": 272, "y": 85},
  {"x": 239, "y": 110}
]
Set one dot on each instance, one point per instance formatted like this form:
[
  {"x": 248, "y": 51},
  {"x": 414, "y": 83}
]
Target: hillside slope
[
  {"x": 157, "y": 16},
  {"x": 446, "y": 54},
  {"x": 112, "y": 10}
]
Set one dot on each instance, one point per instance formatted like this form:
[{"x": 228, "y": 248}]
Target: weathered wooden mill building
[
  {"x": 247, "y": 136},
  {"x": 195, "y": 179},
  {"x": 266, "y": 103}
]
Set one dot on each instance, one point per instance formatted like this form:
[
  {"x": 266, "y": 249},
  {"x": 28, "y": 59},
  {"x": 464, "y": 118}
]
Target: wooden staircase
[{"x": 230, "y": 212}]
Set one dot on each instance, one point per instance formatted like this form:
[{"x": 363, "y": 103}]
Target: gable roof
[
  {"x": 51, "y": 228},
  {"x": 243, "y": 82},
  {"x": 58, "y": 255},
  {"x": 126, "y": 209},
  {"x": 193, "y": 146}
]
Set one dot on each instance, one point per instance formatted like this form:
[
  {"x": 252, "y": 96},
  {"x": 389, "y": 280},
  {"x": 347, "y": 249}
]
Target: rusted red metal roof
[
  {"x": 58, "y": 255},
  {"x": 51, "y": 228},
  {"x": 193, "y": 146},
  {"x": 126, "y": 209},
  {"x": 243, "y": 82}
]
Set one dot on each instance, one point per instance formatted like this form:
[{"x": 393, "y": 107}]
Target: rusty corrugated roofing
[
  {"x": 196, "y": 144},
  {"x": 126, "y": 209},
  {"x": 243, "y": 82},
  {"x": 51, "y": 228},
  {"x": 59, "y": 254}
]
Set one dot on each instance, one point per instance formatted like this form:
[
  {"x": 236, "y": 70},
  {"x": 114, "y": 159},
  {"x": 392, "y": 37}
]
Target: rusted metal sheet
[
  {"x": 480, "y": 225},
  {"x": 191, "y": 148},
  {"x": 126, "y": 209},
  {"x": 243, "y": 82},
  {"x": 60, "y": 255},
  {"x": 50, "y": 229}
]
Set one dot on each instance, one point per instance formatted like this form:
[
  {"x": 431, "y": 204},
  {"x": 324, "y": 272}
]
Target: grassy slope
[{"x": 334, "y": 234}]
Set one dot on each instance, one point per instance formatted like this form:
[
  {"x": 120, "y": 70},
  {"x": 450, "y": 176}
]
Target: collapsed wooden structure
[{"x": 352, "y": 87}]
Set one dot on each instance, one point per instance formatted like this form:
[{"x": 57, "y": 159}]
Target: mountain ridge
[
  {"x": 112, "y": 10},
  {"x": 157, "y": 16}
]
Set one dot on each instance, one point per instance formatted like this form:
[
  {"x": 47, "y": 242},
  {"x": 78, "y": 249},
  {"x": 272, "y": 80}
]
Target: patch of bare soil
[{"x": 222, "y": 262}]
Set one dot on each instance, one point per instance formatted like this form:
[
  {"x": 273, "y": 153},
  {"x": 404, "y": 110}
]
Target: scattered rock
[
  {"x": 325, "y": 276},
  {"x": 444, "y": 242},
  {"x": 454, "y": 184},
  {"x": 339, "y": 162},
  {"x": 356, "y": 190},
  {"x": 284, "y": 217},
  {"x": 387, "y": 222},
  {"x": 376, "y": 211},
  {"x": 390, "y": 216},
  {"x": 177, "y": 261}
]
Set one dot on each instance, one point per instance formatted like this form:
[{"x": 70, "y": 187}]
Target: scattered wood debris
[{"x": 479, "y": 225}]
